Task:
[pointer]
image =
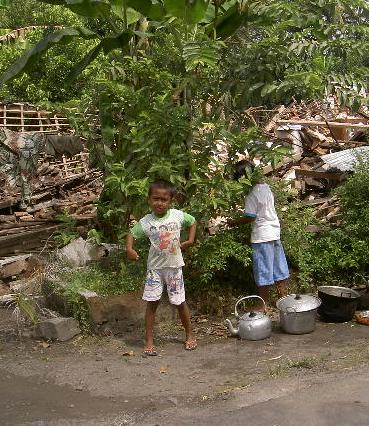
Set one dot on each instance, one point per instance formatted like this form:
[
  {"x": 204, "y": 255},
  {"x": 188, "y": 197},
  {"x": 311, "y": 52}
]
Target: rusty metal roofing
[{"x": 347, "y": 159}]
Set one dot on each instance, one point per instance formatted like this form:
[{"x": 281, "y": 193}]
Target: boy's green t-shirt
[{"x": 164, "y": 234}]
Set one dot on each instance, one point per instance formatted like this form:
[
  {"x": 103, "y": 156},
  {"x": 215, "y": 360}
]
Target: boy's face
[{"x": 160, "y": 201}]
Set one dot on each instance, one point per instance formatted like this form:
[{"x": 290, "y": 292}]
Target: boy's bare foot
[
  {"x": 149, "y": 351},
  {"x": 190, "y": 344}
]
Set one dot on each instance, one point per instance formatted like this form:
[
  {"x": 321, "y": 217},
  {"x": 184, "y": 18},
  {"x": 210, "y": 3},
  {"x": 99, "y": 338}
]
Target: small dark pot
[{"x": 338, "y": 303}]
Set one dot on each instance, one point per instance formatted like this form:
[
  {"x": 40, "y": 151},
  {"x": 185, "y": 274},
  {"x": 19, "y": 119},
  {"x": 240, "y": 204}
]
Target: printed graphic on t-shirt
[
  {"x": 164, "y": 234},
  {"x": 165, "y": 237}
]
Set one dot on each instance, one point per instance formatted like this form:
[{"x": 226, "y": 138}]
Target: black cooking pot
[{"x": 338, "y": 303}]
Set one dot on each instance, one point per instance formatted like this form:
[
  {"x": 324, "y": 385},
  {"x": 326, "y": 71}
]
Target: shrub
[{"x": 339, "y": 253}]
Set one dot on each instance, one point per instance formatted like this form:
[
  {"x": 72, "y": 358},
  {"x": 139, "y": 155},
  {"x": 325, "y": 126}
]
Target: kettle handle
[{"x": 247, "y": 297}]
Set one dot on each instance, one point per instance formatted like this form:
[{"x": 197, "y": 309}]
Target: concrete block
[
  {"x": 61, "y": 329},
  {"x": 125, "y": 311}
]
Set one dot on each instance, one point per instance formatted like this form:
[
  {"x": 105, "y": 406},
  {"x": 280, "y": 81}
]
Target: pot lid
[
  {"x": 252, "y": 316},
  {"x": 337, "y": 291},
  {"x": 298, "y": 303}
]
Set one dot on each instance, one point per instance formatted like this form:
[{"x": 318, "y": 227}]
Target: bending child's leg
[
  {"x": 263, "y": 292},
  {"x": 184, "y": 314},
  {"x": 151, "y": 308},
  {"x": 281, "y": 288}
]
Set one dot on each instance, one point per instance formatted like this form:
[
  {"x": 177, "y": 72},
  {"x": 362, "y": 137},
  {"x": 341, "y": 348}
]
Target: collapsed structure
[
  {"x": 326, "y": 142},
  {"x": 44, "y": 172}
]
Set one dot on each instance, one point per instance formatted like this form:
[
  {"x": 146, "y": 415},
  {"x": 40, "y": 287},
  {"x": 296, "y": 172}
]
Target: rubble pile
[
  {"x": 23, "y": 230},
  {"x": 326, "y": 143},
  {"x": 44, "y": 173}
]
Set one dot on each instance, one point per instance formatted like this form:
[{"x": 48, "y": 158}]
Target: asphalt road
[
  {"x": 343, "y": 401},
  {"x": 339, "y": 401}
]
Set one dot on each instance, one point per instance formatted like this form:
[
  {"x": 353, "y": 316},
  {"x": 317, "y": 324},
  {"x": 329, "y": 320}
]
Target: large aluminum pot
[{"x": 297, "y": 313}]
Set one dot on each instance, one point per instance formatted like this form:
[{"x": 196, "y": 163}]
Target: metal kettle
[{"x": 252, "y": 325}]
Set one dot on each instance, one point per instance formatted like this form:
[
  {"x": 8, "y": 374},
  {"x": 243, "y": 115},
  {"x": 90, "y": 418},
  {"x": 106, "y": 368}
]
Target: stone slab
[{"x": 60, "y": 329}]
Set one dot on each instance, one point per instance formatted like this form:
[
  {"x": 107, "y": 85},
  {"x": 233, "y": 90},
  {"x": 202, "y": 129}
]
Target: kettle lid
[{"x": 252, "y": 316}]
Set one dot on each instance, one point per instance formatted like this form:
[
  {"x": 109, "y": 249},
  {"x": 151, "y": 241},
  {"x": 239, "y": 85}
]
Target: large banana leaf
[
  {"x": 107, "y": 45},
  {"x": 154, "y": 11},
  {"x": 91, "y": 8},
  {"x": 83, "y": 63},
  {"x": 63, "y": 36},
  {"x": 228, "y": 22},
  {"x": 191, "y": 11},
  {"x": 130, "y": 15}
]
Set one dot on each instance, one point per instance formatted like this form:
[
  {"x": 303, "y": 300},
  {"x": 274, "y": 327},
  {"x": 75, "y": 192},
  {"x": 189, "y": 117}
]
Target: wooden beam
[
  {"x": 323, "y": 123},
  {"x": 34, "y": 125},
  {"x": 319, "y": 175},
  {"x": 22, "y": 119}
]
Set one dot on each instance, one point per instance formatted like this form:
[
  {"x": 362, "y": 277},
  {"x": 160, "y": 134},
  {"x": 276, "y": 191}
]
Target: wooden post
[
  {"x": 40, "y": 121},
  {"x": 22, "y": 117}
]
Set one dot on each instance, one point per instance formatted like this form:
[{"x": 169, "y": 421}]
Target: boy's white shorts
[{"x": 172, "y": 278}]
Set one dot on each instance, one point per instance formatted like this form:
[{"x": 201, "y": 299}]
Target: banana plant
[{"x": 121, "y": 16}]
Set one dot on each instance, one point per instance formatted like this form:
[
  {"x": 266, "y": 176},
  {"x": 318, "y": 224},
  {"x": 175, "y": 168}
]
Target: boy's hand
[
  {"x": 231, "y": 222},
  {"x": 132, "y": 254},
  {"x": 186, "y": 244}
]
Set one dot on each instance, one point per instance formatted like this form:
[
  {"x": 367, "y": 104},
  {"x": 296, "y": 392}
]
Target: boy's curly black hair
[
  {"x": 243, "y": 168},
  {"x": 162, "y": 184}
]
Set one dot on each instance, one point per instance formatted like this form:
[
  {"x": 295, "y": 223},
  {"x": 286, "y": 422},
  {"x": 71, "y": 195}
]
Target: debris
[
  {"x": 129, "y": 353},
  {"x": 347, "y": 159},
  {"x": 326, "y": 143},
  {"x": 13, "y": 269},
  {"x": 33, "y": 199},
  {"x": 163, "y": 370},
  {"x": 275, "y": 358},
  {"x": 362, "y": 317}
]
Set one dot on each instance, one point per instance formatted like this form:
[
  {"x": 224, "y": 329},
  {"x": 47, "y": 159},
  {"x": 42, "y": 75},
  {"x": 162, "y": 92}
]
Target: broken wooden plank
[
  {"x": 323, "y": 123},
  {"x": 26, "y": 240},
  {"x": 301, "y": 173},
  {"x": 317, "y": 201},
  {"x": 9, "y": 202}
]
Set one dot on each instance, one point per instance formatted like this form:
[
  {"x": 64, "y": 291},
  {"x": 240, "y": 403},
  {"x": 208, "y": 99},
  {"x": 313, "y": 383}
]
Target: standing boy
[
  {"x": 269, "y": 261},
  {"x": 164, "y": 264}
]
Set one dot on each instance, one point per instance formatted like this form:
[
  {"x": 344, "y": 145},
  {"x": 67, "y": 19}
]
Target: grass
[
  {"x": 283, "y": 368},
  {"x": 119, "y": 277}
]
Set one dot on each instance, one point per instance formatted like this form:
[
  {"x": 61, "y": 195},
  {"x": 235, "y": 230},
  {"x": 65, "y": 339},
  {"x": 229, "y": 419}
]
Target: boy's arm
[
  {"x": 135, "y": 233},
  {"x": 131, "y": 253},
  {"x": 250, "y": 212},
  {"x": 241, "y": 220},
  {"x": 191, "y": 237},
  {"x": 189, "y": 222}
]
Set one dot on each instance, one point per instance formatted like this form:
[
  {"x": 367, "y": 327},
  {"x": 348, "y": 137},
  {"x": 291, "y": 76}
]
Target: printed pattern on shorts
[{"x": 172, "y": 278}]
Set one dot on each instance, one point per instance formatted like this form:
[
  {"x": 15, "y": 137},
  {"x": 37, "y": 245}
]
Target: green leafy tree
[{"x": 175, "y": 77}]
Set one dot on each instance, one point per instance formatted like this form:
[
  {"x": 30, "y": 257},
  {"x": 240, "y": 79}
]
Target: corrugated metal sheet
[{"x": 347, "y": 159}]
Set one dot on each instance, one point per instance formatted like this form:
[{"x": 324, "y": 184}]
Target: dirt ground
[{"x": 106, "y": 381}]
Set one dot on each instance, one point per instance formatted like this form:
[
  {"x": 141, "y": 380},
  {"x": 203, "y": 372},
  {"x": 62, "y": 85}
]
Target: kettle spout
[{"x": 233, "y": 331}]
